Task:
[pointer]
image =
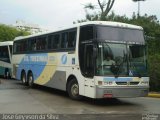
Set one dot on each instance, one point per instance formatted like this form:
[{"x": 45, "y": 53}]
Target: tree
[
  {"x": 104, "y": 6},
  {"x": 8, "y": 33}
]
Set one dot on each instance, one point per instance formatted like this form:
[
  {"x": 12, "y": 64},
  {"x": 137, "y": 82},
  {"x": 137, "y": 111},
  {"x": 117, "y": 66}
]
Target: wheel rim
[
  {"x": 23, "y": 79},
  {"x": 75, "y": 90}
]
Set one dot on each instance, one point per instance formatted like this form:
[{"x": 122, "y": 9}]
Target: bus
[
  {"x": 5, "y": 59},
  {"x": 72, "y": 60}
]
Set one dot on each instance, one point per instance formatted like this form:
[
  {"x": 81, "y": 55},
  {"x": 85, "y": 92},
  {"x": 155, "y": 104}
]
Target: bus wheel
[
  {"x": 23, "y": 78},
  {"x": 30, "y": 79},
  {"x": 6, "y": 74},
  {"x": 73, "y": 89}
]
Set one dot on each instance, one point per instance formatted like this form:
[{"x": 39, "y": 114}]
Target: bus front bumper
[{"x": 121, "y": 91}]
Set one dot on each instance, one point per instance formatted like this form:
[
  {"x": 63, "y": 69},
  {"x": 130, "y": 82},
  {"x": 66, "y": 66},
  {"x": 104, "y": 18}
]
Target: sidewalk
[{"x": 154, "y": 94}]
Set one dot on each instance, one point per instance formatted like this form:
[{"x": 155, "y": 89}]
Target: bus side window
[
  {"x": 4, "y": 54},
  {"x": 41, "y": 43},
  {"x": 86, "y": 33},
  {"x": 56, "y": 41},
  {"x": 50, "y": 41},
  {"x": 17, "y": 47},
  {"x": 32, "y": 44},
  {"x": 64, "y": 40},
  {"x": 23, "y": 46},
  {"x": 72, "y": 39}
]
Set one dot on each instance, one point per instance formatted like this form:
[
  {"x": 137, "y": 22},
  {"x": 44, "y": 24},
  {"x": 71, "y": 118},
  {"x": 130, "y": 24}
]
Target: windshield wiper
[
  {"x": 118, "y": 69},
  {"x": 120, "y": 65}
]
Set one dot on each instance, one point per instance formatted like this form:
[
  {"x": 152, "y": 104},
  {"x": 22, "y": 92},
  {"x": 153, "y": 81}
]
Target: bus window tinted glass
[
  {"x": 17, "y": 47},
  {"x": 64, "y": 40},
  {"x": 86, "y": 33},
  {"x": 72, "y": 39},
  {"x": 32, "y": 44},
  {"x": 20, "y": 46},
  {"x": 4, "y": 55},
  {"x": 50, "y": 41},
  {"x": 23, "y": 46},
  {"x": 54, "y": 41},
  {"x": 41, "y": 43},
  {"x": 119, "y": 34}
]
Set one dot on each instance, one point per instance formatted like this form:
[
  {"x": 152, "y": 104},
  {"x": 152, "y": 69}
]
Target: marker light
[
  {"x": 144, "y": 82},
  {"x": 99, "y": 82},
  {"x": 108, "y": 95},
  {"x": 108, "y": 83}
]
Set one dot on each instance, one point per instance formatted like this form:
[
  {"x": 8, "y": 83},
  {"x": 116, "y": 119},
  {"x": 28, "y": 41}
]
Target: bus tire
[
  {"x": 30, "y": 79},
  {"x": 6, "y": 73},
  {"x": 73, "y": 89},
  {"x": 23, "y": 78}
]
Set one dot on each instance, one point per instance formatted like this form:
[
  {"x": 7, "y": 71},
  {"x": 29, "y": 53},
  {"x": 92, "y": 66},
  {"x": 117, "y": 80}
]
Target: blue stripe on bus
[
  {"x": 117, "y": 79},
  {"x": 34, "y": 62}
]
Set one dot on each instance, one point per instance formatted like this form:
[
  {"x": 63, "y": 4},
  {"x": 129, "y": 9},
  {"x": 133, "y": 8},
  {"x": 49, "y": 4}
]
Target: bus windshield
[
  {"x": 121, "y": 59},
  {"x": 137, "y": 60},
  {"x": 119, "y": 34},
  {"x": 4, "y": 54}
]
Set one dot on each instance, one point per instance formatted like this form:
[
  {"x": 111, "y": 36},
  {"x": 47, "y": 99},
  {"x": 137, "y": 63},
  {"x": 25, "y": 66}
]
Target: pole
[{"x": 138, "y": 8}]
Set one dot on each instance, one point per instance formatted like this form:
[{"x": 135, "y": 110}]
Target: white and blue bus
[
  {"x": 72, "y": 60},
  {"x": 5, "y": 58}
]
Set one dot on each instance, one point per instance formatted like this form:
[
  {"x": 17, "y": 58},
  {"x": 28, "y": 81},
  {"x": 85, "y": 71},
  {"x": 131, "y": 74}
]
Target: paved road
[{"x": 18, "y": 99}]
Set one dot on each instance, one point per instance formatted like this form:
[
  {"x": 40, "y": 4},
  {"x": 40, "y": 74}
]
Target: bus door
[{"x": 89, "y": 70}]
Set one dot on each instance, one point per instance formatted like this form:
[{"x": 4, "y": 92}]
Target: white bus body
[{"x": 71, "y": 60}]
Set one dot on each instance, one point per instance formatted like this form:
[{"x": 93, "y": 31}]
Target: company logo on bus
[{"x": 64, "y": 59}]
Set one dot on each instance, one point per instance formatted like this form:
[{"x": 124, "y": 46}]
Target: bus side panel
[
  {"x": 58, "y": 80},
  {"x": 58, "y": 77},
  {"x": 2, "y": 69},
  {"x": 3, "y": 66},
  {"x": 17, "y": 61},
  {"x": 48, "y": 71}
]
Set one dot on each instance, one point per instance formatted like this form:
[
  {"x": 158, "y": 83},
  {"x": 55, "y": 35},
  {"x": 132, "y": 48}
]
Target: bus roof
[
  {"x": 104, "y": 23},
  {"x": 6, "y": 43},
  {"x": 113, "y": 24}
]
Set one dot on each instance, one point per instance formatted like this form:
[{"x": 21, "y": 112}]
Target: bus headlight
[
  {"x": 108, "y": 83},
  {"x": 144, "y": 82}
]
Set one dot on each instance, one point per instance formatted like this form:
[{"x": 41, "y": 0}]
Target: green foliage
[
  {"x": 98, "y": 13},
  {"x": 154, "y": 72},
  {"x": 8, "y": 33}
]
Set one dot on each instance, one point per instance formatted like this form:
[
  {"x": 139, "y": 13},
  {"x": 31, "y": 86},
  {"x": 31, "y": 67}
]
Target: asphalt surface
[{"x": 16, "y": 98}]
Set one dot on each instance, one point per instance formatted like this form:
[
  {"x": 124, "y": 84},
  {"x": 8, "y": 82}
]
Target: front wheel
[
  {"x": 6, "y": 74},
  {"x": 73, "y": 89},
  {"x": 30, "y": 79}
]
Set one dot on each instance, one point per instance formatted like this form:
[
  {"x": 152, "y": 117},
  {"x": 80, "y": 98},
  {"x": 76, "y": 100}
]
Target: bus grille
[{"x": 127, "y": 83}]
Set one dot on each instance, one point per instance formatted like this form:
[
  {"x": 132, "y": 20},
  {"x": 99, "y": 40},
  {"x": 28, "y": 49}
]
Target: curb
[{"x": 155, "y": 95}]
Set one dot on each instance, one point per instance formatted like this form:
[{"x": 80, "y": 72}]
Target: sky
[{"x": 61, "y": 13}]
